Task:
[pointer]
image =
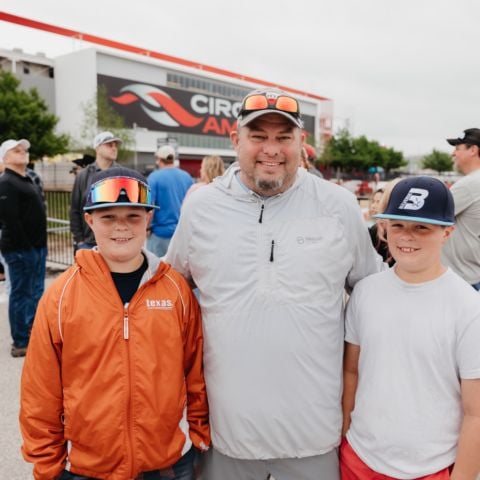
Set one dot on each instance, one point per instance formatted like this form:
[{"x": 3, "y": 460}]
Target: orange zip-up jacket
[{"x": 111, "y": 390}]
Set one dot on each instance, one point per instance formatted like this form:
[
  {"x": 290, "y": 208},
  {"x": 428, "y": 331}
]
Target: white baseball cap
[
  {"x": 105, "y": 137},
  {"x": 165, "y": 151},
  {"x": 9, "y": 144}
]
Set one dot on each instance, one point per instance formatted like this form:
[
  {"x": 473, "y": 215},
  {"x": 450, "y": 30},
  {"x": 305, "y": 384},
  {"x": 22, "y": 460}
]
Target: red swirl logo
[{"x": 152, "y": 99}]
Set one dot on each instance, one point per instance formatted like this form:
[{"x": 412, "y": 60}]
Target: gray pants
[{"x": 319, "y": 467}]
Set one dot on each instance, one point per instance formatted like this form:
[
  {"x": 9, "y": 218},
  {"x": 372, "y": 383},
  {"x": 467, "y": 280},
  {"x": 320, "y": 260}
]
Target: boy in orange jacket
[{"x": 113, "y": 384}]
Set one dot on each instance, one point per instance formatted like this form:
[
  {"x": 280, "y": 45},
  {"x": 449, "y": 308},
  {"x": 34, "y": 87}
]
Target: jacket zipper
[
  {"x": 126, "y": 331},
  {"x": 262, "y": 208},
  {"x": 260, "y": 220},
  {"x": 126, "y": 336}
]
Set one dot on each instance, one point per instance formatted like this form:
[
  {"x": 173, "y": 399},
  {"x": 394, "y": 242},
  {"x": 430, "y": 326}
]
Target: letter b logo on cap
[{"x": 414, "y": 200}]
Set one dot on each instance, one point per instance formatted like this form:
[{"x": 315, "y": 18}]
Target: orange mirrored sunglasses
[
  {"x": 264, "y": 101},
  {"x": 108, "y": 191}
]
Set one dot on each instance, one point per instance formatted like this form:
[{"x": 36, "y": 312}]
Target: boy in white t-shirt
[{"x": 412, "y": 357}]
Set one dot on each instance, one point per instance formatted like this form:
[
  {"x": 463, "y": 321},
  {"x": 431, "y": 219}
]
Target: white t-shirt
[{"x": 416, "y": 342}]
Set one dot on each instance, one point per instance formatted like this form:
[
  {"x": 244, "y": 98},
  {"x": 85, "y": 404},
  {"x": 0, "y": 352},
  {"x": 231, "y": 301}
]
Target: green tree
[
  {"x": 24, "y": 114},
  {"x": 99, "y": 115},
  {"x": 438, "y": 161},
  {"x": 338, "y": 151},
  {"x": 349, "y": 153},
  {"x": 392, "y": 159}
]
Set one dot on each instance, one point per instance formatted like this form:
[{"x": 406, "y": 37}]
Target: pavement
[{"x": 12, "y": 465}]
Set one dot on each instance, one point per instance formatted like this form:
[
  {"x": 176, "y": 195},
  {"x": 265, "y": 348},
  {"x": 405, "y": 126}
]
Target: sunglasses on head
[
  {"x": 265, "y": 101},
  {"x": 108, "y": 190}
]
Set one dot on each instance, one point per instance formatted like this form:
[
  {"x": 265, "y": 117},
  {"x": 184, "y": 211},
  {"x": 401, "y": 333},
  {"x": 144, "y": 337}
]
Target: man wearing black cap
[
  {"x": 462, "y": 252},
  {"x": 270, "y": 248}
]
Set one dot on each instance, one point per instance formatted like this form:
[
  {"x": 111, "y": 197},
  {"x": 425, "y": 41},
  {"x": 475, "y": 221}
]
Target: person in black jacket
[
  {"x": 106, "y": 148},
  {"x": 24, "y": 240}
]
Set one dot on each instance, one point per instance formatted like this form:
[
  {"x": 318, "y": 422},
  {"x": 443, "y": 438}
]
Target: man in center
[{"x": 271, "y": 248}]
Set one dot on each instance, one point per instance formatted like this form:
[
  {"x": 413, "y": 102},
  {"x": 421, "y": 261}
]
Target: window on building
[{"x": 191, "y": 82}]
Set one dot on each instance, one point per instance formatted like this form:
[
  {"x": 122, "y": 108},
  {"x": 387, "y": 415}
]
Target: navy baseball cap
[
  {"x": 420, "y": 199},
  {"x": 119, "y": 187}
]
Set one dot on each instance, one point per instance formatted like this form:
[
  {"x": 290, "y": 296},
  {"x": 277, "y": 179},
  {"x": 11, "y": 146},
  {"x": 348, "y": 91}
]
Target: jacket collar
[{"x": 93, "y": 263}]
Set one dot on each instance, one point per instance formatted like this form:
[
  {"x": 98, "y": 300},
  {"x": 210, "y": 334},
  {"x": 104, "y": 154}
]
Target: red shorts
[{"x": 353, "y": 468}]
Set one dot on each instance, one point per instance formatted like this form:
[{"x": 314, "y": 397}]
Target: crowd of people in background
[{"x": 122, "y": 356}]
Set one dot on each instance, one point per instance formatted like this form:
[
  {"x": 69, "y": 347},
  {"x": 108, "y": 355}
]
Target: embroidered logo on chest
[{"x": 160, "y": 304}]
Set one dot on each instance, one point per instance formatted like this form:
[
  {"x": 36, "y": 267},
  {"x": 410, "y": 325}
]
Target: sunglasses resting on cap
[{"x": 262, "y": 102}]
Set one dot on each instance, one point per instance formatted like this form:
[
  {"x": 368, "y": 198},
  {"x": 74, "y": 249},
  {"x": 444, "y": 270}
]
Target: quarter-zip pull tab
[
  {"x": 271, "y": 250},
  {"x": 261, "y": 213},
  {"x": 125, "y": 322}
]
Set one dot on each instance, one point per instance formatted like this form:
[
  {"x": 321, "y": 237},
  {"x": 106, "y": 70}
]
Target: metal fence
[{"x": 59, "y": 238}]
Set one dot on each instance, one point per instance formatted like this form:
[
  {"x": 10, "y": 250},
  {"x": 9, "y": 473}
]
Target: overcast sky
[{"x": 404, "y": 73}]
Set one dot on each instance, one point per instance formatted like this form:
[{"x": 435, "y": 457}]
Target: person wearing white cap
[
  {"x": 106, "y": 147},
  {"x": 169, "y": 186},
  {"x": 23, "y": 242},
  {"x": 271, "y": 248}
]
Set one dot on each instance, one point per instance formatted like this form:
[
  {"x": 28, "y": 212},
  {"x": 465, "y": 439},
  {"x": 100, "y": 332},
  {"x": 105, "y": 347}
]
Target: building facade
[{"x": 160, "y": 101}]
